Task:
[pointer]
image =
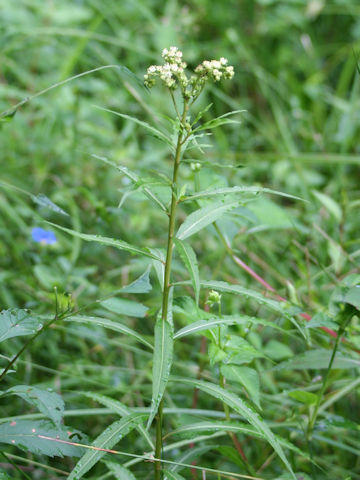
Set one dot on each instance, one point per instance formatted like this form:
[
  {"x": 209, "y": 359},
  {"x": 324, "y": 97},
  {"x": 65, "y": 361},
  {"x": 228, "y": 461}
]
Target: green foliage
[{"x": 266, "y": 214}]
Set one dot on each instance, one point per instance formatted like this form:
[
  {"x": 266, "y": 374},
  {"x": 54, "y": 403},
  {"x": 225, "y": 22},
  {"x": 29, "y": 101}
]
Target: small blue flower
[{"x": 42, "y": 236}]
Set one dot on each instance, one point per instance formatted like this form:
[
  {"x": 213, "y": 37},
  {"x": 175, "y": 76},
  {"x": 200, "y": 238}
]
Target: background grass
[{"x": 297, "y": 79}]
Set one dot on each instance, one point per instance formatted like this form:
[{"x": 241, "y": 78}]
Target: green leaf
[
  {"x": 189, "y": 259},
  {"x": 241, "y": 351},
  {"x": 4, "y": 476},
  {"x": 234, "y": 402},
  {"x": 140, "y": 285},
  {"x": 111, "y": 242},
  {"x": 217, "y": 122},
  {"x": 317, "y": 359},
  {"x": 16, "y": 323},
  {"x": 238, "y": 290},
  {"x": 303, "y": 397},
  {"x": 154, "y": 131},
  {"x": 203, "y": 217},
  {"x": 202, "y": 325},
  {"x": 235, "y": 191},
  {"x": 192, "y": 429},
  {"x": 120, "y": 472},
  {"x": 49, "y": 403},
  {"x": 45, "y": 202},
  {"x": 162, "y": 359},
  {"x": 121, "y": 410},
  {"x": 106, "y": 440},
  {"x": 169, "y": 475},
  {"x": 353, "y": 297},
  {"x": 248, "y": 377},
  {"x": 159, "y": 265},
  {"x": 26, "y": 435},
  {"x": 277, "y": 350},
  {"x": 330, "y": 204},
  {"x": 104, "y": 322},
  {"x": 135, "y": 179},
  {"x": 322, "y": 320},
  {"x": 125, "y": 307}
]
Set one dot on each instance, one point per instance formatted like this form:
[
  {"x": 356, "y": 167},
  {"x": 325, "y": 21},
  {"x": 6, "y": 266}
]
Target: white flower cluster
[
  {"x": 215, "y": 69},
  {"x": 172, "y": 73},
  {"x": 173, "y": 69}
]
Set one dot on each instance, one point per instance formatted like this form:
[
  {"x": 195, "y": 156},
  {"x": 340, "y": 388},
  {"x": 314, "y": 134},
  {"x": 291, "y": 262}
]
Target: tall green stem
[{"x": 167, "y": 274}]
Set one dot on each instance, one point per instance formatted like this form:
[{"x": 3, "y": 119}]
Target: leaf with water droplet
[{"x": 16, "y": 323}]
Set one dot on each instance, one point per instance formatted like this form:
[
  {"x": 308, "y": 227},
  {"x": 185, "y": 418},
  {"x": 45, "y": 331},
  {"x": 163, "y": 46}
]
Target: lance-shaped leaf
[
  {"x": 193, "y": 429},
  {"x": 115, "y": 326},
  {"x": 16, "y": 323},
  {"x": 169, "y": 475},
  {"x": 202, "y": 325},
  {"x": 121, "y": 410},
  {"x": 162, "y": 359},
  {"x": 27, "y": 435},
  {"x": 106, "y": 440},
  {"x": 140, "y": 285},
  {"x": 135, "y": 179},
  {"x": 317, "y": 359},
  {"x": 125, "y": 307},
  {"x": 248, "y": 377},
  {"x": 203, "y": 217},
  {"x": 120, "y": 472},
  {"x": 189, "y": 259},
  {"x": 45, "y": 202},
  {"x": 241, "y": 407},
  {"x": 159, "y": 265},
  {"x": 239, "y": 290},
  {"x": 219, "y": 192},
  {"x": 154, "y": 131},
  {"x": 218, "y": 121},
  {"x": 110, "y": 242},
  {"x": 48, "y": 402}
]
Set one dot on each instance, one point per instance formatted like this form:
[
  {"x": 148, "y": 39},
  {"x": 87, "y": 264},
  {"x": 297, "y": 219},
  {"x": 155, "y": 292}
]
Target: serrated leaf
[
  {"x": 248, "y": 377},
  {"x": 154, "y": 131},
  {"x": 47, "y": 402},
  {"x": 159, "y": 265},
  {"x": 317, "y": 359},
  {"x": 104, "y": 322},
  {"x": 125, "y": 307},
  {"x": 162, "y": 359},
  {"x": 303, "y": 397},
  {"x": 201, "y": 325},
  {"x": 106, "y": 440},
  {"x": 218, "y": 192},
  {"x": 26, "y": 435},
  {"x": 140, "y": 285},
  {"x": 277, "y": 350},
  {"x": 244, "y": 410},
  {"x": 110, "y": 242},
  {"x": 120, "y": 472},
  {"x": 16, "y": 323},
  {"x": 45, "y": 202},
  {"x": 121, "y": 410},
  {"x": 203, "y": 217},
  {"x": 189, "y": 259}
]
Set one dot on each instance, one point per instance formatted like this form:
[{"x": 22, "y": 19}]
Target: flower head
[
  {"x": 45, "y": 237},
  {"x": 173, "y": 73}
]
